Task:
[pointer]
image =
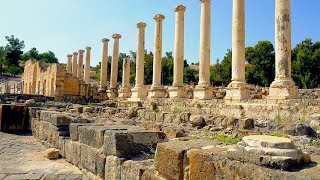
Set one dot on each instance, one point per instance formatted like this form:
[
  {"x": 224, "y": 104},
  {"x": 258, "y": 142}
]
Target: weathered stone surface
[
  {"x": 89, "y": 158},
  {"x": 171, "y": 157},
  {"x": 212, "y": 164},
  {"x": 30, "y": 102},
  {"x": 247, "y": 123},
  {"x": 73, "y": 152},
  {"x": 174, "y": 132},
  {"x": 52, "y": 153},
  {"x": 113, "y": 167},
  {"x": 134, "y": 169},
  {"x": 131, "y": 143},
  {"x": 88, "y": 109},
  {"x": 151, "y": 174},
  {"x": 132, "y": 112},
  {"x": 197, "y": 121},
  {"x": 268, "y": 142},
  {"x": 93, "y": 135},
  {"x": 74, "y": 133}
]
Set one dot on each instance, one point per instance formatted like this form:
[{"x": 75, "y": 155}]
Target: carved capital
[
  {"x": 116, "y": 36},
  {"x": 159, "y": 17},
  {"x": 141, "y": 25},
  {"x": 180, "y": 8}
]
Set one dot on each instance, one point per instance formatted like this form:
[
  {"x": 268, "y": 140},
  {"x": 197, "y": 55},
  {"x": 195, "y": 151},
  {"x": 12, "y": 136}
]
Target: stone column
[
  {"x": 87, "y": 66},
  {"x": 157, "y": 90},
  {"x": 69, "y": 65},
  {"x": 283, "y": 86},
  {"x": 74, "y": 64},
  {"x": 139, "y": 91},
  {"x": 125, "y": 91},
  {"x": 80, "y": 65},
  {"x": 104, "y": 66},
  {"x": 238, "y": 88},
  {"x": 177, "y": 90},
  {"x": 203, "y": 90},
  {"x": 113, "y": 91}
]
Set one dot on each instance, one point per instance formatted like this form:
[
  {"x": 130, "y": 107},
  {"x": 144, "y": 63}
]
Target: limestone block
[
  {"x": 151, "y": 174},
  {"x": 171, "y": 157},
  {"x": 89, "y": 158},
  {"x": 60, "y": 119},
  {"x": 94, "y": 135},
  {"x": 113, "y": 167},
  {"x": 131, "y": 143},
  {"x": 101, "y": 162},
  {"x": 197, "y": 121},
  {"x": 52, "y": 153},
  {"x": 74, "y": 133},
  {"x": 73, "y": 152},
  {"x": 133, "y": 170}
]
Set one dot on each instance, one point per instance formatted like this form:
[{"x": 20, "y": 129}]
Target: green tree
[
  {"x": 48, "y": 57},
  {"x": 33, "y": 53},
  {"x": 262, "y": 63},
  {"x": 3, "y": 59},
  {"x": 14, "y": 50}
]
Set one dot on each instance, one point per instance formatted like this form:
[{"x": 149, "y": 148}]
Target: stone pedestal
[
  {"x": 177, "y": 92},
  {"x": 237, "y": 91},
  {"x": 157, "y": 92},
  {"x": 125, "y": 92},
  {"x": 112, "y": 93},
  {"x": 283, "y": 86},
  {"x": 203, "y": 92},
  {"x": 138, "y": 93}
]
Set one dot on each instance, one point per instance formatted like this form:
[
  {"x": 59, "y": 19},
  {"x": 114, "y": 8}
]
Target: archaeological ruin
[{"x": 120, "y": 131}]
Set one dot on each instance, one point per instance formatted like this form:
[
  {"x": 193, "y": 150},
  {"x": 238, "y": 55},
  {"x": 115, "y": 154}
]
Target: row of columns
[
  {"x": 75, "y": 65},
  {"x": 283, "y": 86}
]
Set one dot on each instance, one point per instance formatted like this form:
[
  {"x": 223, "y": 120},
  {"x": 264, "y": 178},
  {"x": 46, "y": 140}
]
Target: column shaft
[
  {"x": 283, "y": 39},
  {"x": 179, "y": 47},
  {"x": 74, "y": 64},
  {"x": 69, "y": 65},
  {"x": 126, "y": 73},
  {"x": 104, "y": 66},
  {"x": 80, "y": 65},
  {"x": 87, "y": 66},
  {"x": 115, "y": 60},
  {"x": 157, "y": 57},
  {"x": 238, "y": 41},
  {"x": 140, "y": 55},
  {"x": 204, "y": 66}
]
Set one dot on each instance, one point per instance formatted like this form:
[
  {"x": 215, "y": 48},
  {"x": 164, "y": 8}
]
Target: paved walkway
[{"x": 21, "y": 157}]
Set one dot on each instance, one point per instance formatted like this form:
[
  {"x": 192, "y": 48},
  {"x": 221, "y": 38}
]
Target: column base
[
  {"x": 138, "y": 93},
  {"x": 177, "y": 92},
  {"x": 157, "y": 92},
  {"x": 283, "y": 89},
  {"x": 237, "y": 91},
  {"x": 102, "y": 90},
  {"x": 203, "y": 92},
  {"x": 112, "y": 93},
  {"x": 125, "y": 92}
]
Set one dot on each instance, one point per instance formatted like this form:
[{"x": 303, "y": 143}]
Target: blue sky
[{"x": 65, "y": 26}]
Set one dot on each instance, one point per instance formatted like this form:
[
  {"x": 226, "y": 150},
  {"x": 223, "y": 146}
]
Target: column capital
[
  {"x": 81, "y": 51},
  {"x": 159, "y": 17},
  {"x": 105, "y": 40},
  {"x": 205, "y": 1},
  {"x": 88, "y": 48},
  {"x": 75, "y": 53},
  {"x": 116, "y": 36},
  {"x": 69, "y": 55},
  {"x": 141, "y": 25},
  {"x": 180, "y": 8}
]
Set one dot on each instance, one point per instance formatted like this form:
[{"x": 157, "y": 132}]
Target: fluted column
[
  {"x": 74, "y": 64},
  {"x": 157, "y": 90},
  {"x": 125, "y": 91},
  {"x": 238, "y": 88},
  {"x": 69, "y": 65},
  {"x": 283, "y": 86},
  {"x": 139, "y": 90},
  {"x": 203, "y": 89},
  {"x": 113, "y": 91},
  {"x": 104, "y": 66},
  {"x": 87, "y": 66},
  {"x": 177, "y": 90},
  {"x": 80, "y": 64}
]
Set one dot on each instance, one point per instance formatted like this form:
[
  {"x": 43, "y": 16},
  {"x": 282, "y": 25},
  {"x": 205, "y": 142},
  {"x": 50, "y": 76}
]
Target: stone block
[
  {"x": 73, "y": 152},
  {"x": 113, "y": 167},
  {"x": 133, "y": 170},
  {"x": 74, "y": 133},
  {"x": 101, "y": 162},
  {"x": 171, "y": 157},
  {"x": 60, "y": 119},
  {"x": 93, "y": 135},
  {"x": 131, "y": 143},
  {"x": 151, "y": 174},
  {"x": 89, "y": 158}
]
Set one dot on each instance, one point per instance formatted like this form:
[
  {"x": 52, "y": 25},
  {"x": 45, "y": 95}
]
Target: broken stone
[
  {"x": 132, "y": 112},
  {"x": 88, "y": 109},
  {"x": 246, "y": 123},
  {"x": 197, "y": 121},
  {"x": 52, "y": 153}
]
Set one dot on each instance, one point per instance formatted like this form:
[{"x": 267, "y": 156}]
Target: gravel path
[{"x": 21, "y": 157}]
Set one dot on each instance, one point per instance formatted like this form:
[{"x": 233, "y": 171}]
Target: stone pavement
[{"x": 21, "y": 157}]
